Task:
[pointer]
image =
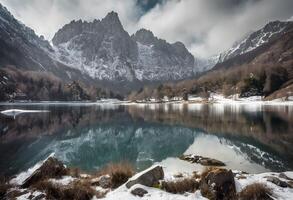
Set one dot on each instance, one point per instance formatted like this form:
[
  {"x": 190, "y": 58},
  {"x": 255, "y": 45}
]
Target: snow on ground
[
  {"x": 153, "y": 194},
  {"x": 289, "y": 174},
  {"x": 235, "y": 99},
  {"x": 278, "y": 192},
  {"x": 29, "y": 195},
  {"x": 65, "y": 180}
]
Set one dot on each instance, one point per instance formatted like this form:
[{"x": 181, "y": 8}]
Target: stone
[
  {"x": 148, "y": 178},
  {"x": 278, "y": 182},
  {"x": 211, "y": 162},
  {"x": 218, "y": 184},
  {"x": 51, "y": 168},
  {"x": 39, "y": 197},
  {"x": 139, "y": 192},
  {"x": 105, "y": 181},
  {"x": 284, "y": 176},
  {"x": 290, "y": 183},
  {"x": 202, "y": 160}
]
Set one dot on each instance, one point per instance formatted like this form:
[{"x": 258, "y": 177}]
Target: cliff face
[{"x": 105, "y": 51}]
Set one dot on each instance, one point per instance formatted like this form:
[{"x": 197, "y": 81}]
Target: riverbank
[{"x": 50, "y": 179}]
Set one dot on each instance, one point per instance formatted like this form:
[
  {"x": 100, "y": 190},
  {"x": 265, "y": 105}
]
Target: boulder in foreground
[
  {"x": 218, "y": 184},
  {"x": 51, "y": 168},
  {"x": 148, "y": 178}
]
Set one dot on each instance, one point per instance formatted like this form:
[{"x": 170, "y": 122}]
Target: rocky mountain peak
[
  {"x": 112, "y": 22},
  {"x": 5, "y": 14},
  {"x": 144, "y": 36},
  {"x": 112, "y": 17}
]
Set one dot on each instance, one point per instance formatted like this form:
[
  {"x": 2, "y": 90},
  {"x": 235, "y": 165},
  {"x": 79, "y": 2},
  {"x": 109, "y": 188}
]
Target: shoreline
[
  {"x": 225, "y": 101},
  {"x": 155, "y": 182}
]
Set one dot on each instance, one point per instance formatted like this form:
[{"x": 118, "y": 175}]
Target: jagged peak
[
  {"x": 144, "y": 36},
  {"x": 179, "y": 45},
  {"x": 112, "y": 18},
  {"x": 145, "y": 32}
]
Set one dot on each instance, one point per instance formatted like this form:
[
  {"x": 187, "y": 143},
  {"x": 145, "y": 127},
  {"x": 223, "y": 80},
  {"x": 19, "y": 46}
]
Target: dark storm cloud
[{"x": 207, "y": 27}]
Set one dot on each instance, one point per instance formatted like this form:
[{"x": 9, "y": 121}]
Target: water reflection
[{"x": 254, "y": 139}]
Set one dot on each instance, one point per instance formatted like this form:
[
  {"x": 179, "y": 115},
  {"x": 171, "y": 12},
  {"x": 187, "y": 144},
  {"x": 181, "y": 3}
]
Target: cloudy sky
[{"x": 206, "y": 27}]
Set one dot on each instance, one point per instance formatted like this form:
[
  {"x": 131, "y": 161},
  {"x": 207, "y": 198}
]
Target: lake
[{"x": 252, "y": 137}]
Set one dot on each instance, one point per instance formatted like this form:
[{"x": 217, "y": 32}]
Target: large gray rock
[
  {"x": 149, "y": 178},
  {"x": 51, "y": 168},
  {"x": 218, "y": 184}
]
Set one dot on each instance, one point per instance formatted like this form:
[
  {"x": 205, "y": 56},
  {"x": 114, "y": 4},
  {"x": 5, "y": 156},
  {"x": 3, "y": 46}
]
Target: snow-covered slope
[
  {"x": 105, "y": 51},
  {"x": 256, "y": 39},
  {"x": 22, "y": 48}
]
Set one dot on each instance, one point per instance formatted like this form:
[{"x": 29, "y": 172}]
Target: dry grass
[
  {"x": 78, "y": 190},
  {"x": 74, "y": 172},
  {"x": 256, "y": 191},
  {"x": 181, "y": 186},
  {"x": 119, "y": 172}
]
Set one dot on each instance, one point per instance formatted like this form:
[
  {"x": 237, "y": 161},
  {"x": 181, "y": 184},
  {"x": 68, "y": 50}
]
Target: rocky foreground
[{"x": 51, "y": 179}]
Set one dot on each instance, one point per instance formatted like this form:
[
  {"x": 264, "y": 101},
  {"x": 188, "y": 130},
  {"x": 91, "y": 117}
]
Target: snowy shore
[{"x": 279, "y": 184}]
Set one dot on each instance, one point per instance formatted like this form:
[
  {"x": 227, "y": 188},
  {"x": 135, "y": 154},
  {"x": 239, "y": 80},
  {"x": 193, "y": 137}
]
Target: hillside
[{"x": 265, "y": 70}]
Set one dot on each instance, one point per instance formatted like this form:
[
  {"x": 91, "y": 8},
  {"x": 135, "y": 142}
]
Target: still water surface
[{"x": 253, "y": 138}]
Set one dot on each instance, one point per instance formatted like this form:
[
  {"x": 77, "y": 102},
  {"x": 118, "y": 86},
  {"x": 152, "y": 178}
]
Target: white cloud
[
  {"x": 47, "y": 16},
  {"x": 206, "y": 27}
]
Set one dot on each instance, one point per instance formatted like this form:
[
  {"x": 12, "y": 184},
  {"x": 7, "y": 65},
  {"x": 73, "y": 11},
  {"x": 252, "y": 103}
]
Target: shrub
[
  {"x": 256, "y": 191},
  {"x": 181, "y": 186},
  {"x": 252, "y": 86},
  {"x": 119, "y": 172},
  {"x": 78, "y": 190}
]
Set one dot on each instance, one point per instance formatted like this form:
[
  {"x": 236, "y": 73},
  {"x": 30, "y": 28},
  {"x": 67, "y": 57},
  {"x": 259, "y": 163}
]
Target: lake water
[{"x": 254, "y": 138}]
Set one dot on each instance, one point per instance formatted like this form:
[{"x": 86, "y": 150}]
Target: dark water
[{"x": 253, "y": 138}]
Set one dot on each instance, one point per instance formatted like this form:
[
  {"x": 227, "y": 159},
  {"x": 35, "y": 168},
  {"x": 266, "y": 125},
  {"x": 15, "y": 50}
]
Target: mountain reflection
[{"x": 90, "y": 136}]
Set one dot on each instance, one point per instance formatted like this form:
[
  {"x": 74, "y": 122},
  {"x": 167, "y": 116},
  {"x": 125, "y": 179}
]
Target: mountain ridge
[{"x": 115, "y": 55}]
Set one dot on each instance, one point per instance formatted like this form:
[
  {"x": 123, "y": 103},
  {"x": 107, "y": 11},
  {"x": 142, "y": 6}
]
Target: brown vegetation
[
  {"x": 78, "y": 190},
  {"x": 180, "y": 186},
  {"x": 119, "y": 173},
  {"x": 256, "y": 191},
  {"x": 40, "y": 86}
]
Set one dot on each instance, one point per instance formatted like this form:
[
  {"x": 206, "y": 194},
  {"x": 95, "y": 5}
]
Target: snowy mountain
[
  {"x": 21, "y": 47},
  {"x": 257, "y": 39},
  {"x": 18, "y": 39},
  {"x": 105, "y": 51}
]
